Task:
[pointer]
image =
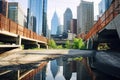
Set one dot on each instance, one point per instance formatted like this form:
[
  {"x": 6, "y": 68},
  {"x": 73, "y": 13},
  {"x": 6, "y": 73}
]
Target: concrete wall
[{"x": 115, "y": 24}]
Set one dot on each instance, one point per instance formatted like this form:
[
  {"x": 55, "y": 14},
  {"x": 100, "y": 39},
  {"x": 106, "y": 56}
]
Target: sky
[{"x": 60, "y": 6}]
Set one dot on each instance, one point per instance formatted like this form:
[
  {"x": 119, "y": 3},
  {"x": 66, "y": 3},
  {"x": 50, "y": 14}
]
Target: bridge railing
[
  {"x": 12, "y": 27},
  {"x": 108, "y": 16}
]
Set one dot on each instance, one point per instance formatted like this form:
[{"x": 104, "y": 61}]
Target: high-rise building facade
[
  {"x": 67, "y": 18},
  {"x": 4, "y": 7},
  {"x": 78, "y": 20},
  {"x": 85, "y": 17},
  {"x": 73, "y": 26},
  {"x": 54, "y": 24},
  {"x": 16, "y": 13},
  {"x": 44, "y": 19},
  {"x": 37, "y": 12},
  {"x": 104, "y": 5},
  {"x": 60, "y": 30}
]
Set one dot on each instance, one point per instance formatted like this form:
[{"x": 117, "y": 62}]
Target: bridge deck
[
  {"x": 23, "y": 58},
  {"x": 11, "y": 32}
]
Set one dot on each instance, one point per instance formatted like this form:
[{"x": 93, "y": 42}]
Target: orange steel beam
[
  {"x": 12, "y": 27},
  {"x": 106, "y": 18}
]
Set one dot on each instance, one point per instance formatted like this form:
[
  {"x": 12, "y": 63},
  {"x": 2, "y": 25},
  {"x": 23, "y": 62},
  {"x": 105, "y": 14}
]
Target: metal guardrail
[
  {"x": 12, "y": 27},
  {"x": 108, "y": 16}
]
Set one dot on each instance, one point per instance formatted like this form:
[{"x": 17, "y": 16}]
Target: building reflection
[
  {"x": 82, "y": 73},
  {"x": 67, "y": 70},
  {"x": 40, "y": 75},
  {"x": 75, "y": 66},
  {"x": 59, "y": 61},
  {"x": 54, "y": 68},
  {"x": 64, "y": 69}
]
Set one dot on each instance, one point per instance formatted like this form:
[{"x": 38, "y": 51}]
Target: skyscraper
[
  {"x": 78, "y": 20},
  {"x": 67, "y": 18},
  {"x": 60, "y": 30},
  {"x": 37, "y": 11},
  {"x": 4, "y": 7},
  {"x": 44, "y": 23},
  {"x": 15, "y": 13},
  {"x": 54, "y": 24},
  {"x": 104, "y": 5},
  {"x": 85, "y": 17},
  {"x": 73, "y": 26}
]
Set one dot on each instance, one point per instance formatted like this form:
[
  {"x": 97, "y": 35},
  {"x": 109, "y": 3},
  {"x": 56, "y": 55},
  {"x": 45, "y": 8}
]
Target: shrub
[
  {"x": 78, "y": 44},
  {"x": 52, "y": 44}
]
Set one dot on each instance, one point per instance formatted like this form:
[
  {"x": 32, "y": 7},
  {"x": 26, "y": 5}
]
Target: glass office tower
[
  {"x": 44, "y": 23},
  {"x": 85, "y": 17},
  {"x": 4, "y": 7},
  {"x": 54, "y": 24},
  {"x": 37, "y": 12},
  {"x": 104, "y": 5},
  {"x": 67, "y": 18},
  {"x": 16, "y": 13}
]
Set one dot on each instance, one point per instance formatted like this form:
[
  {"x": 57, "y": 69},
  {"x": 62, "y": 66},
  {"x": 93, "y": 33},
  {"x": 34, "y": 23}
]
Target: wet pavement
[
  {"x": 104, "y": 65},
  {"x": 107, "y": 64}
]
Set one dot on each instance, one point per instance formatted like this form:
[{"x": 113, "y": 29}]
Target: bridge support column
[
  {"x": 38, "y": 45},
  {"x": 18, "y": 75},
  {"x": 46, "y": 46},
  {"x": 89, "y": 44},
  {"x": 18, "y": 40}
]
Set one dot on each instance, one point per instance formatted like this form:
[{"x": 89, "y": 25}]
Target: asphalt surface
[
  {"x": 27, "y": 58},
  {"x": 108, "y": 63}
]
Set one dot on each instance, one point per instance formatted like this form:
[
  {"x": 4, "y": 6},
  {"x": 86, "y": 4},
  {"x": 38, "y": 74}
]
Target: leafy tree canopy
[
  {"x": 78, "y": 44},
  {"x": 52, "y": 44}
]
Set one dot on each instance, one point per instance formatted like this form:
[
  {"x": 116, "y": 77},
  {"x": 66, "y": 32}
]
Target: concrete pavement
[{"x": 27, "y": 58}]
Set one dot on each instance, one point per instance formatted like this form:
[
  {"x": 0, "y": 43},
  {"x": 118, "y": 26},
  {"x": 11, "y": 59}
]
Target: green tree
[
  {"x": 67, "y": 44},
  {"x": 75, "y": 43},
  {"x": 78, "y": 44},
  {"x": 52, "y": 44}
]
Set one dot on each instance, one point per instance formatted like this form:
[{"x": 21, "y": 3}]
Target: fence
[{"x": 12, "y": 27}]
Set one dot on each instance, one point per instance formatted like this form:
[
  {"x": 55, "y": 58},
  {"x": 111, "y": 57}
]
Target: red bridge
[
  {"x": 13, "y": 33},
  {"x": 101, "y": 32}
]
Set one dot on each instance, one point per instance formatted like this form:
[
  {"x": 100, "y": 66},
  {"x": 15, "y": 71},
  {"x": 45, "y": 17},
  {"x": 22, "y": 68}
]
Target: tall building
[
  {"x": 54, "y": 24},
  {"x": 37, "y": 11},
  {"x": 44, "y": 23},
  {"x": 78, "y": 20},
  {"x": 104, "y": 5},
  {"x": 60, "y": 30},
  {"x": 85, "y": 17},
  {"x": 16, "y": 13},
  {"x": 67, "y": 18},
  {"x": 73, "y": 26},
  {"x": 4, "y": 7}
]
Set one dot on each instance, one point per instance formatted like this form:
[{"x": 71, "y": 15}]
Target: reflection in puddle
[
  {"x": 54, "y": 68},
  {"x": 66, "y": 69},
  {"x": 63, "y": 68}
]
